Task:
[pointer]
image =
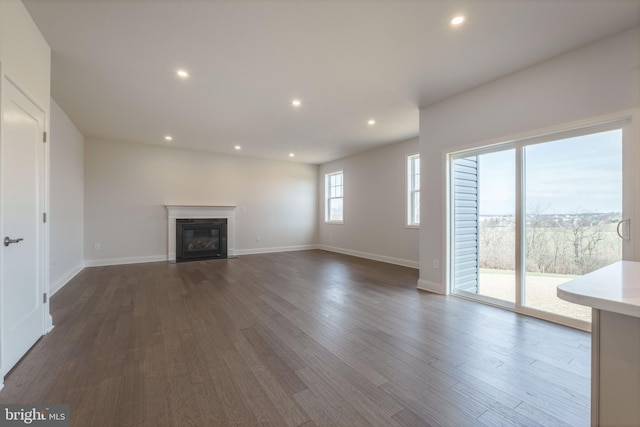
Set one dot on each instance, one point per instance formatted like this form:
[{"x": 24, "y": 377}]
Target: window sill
[
  {"x": 413, "y": 226},
  {"x": 334, "y": 222}
]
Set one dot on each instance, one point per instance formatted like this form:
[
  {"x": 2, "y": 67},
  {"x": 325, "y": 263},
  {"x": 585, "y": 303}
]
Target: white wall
[
  {"x": 128, "y": 185},
  {"x": 66, "y": 216},
  {"x": 595, "y": 80},
  {"x": 24, "y": 53},
  {"x": 374, "y": 206}
]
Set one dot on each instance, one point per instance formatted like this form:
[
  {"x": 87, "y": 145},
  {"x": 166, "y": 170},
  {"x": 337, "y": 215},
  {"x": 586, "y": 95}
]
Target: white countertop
[{"x": 614, "y": 288}]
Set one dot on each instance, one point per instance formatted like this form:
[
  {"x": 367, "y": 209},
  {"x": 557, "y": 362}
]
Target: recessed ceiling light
[
  {"x": 183, "y": 74},
  {"x": 168, "y": 138},
  {"x": 237, "y": 148},
  {"x": 291, "y": 155},
  {"x": 296, "y": 103},
  {"x": 457, "y": 20},
  {"x": 371, "y": 122}
]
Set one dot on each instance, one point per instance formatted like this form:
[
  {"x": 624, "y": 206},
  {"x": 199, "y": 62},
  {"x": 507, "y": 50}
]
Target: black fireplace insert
[{"x": 198, "y": 239}]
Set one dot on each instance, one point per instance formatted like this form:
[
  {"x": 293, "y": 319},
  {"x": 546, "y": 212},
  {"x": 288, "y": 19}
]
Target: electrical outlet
[
  {"x": 96, "y": 246},
  {"x": 257, "y": 238},
  {"x": 436, "y": 263}
]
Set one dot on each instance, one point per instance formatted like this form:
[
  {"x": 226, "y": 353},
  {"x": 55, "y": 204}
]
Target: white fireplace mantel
[{"x": 199, "y": 212}]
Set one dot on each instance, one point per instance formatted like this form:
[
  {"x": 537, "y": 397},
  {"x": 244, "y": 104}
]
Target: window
[
  {"x": 413, "y": 190},
  {"x": 334, "y": 189}
]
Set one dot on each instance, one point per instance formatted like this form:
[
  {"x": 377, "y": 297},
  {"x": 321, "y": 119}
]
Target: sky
[{"x": 575, "y": 175}]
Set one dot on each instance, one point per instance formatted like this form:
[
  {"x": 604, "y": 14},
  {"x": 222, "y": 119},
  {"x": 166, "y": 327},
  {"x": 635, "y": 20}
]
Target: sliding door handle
[{"x": 626, "y": 231}]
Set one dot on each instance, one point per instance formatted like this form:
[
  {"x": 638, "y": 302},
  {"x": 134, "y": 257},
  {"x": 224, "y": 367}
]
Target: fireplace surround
[{"x": 193, "y": 212}]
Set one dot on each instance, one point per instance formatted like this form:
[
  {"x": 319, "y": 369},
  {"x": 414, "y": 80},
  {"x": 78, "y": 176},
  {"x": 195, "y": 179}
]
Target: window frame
[
  {"x": 328, "y": 198},
  {"x": 410, "y": 217}
]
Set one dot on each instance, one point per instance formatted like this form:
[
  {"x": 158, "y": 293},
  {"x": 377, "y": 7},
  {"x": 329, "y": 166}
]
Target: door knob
[{"x": 8, "y": 241}]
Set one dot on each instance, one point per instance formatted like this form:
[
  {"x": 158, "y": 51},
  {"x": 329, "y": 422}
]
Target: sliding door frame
[{"x": 628, "y": 121}]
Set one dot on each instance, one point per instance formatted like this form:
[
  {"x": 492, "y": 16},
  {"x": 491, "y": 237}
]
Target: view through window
[{"x": 413, "y": 190}]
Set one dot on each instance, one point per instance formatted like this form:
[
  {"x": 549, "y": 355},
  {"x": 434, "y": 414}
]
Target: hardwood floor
[{"x": 295, "y": 339}]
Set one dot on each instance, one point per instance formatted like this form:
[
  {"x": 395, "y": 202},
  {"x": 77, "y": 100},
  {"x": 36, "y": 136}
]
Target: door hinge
[
  {"x": 44, "y": 217},
  {"x": 44, "y": 298},
  {"x": 44, "y": 136}
]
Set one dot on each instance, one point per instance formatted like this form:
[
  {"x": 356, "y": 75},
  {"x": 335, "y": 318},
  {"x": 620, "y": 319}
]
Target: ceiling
[{"x": 114, "y": 65}]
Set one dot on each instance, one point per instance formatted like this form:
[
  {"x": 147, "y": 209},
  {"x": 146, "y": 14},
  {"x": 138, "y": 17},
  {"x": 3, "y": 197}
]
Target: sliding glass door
[
  {"x": 529, "y": 215},
  {"x": 573, "y": 199}
]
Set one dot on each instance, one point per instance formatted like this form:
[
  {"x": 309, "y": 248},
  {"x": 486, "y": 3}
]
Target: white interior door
[{"x": 22, "y": 250}]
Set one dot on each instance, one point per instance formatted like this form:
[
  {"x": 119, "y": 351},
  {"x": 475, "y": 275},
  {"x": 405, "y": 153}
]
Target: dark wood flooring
[{"x": 295, "y": 339}]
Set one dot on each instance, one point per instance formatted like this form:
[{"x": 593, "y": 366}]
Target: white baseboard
[
  {"x": 273, "y": 250},
  {"x": 120, "y": 261},
  {"x": 374, "y": 257},
  {"x": 159, "y": 258},
  {"x": 49, "y": 323},
  {"x": 255, "y": 251},
  {"x": 58, "y": 284},
  {"x": 436, "y": 288}
]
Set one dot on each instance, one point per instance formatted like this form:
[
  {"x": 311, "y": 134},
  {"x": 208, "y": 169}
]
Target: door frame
[
  {"x": 628, "y": 119},
  {"x": 44, "y": 207}
]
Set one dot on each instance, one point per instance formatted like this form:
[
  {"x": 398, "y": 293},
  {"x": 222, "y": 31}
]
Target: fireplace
[
  {"x": 198, "y": 239},
  {"x": 179, "y": 212}
]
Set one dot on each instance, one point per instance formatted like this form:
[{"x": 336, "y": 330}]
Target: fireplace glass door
[{"x": 198, "y": 239}]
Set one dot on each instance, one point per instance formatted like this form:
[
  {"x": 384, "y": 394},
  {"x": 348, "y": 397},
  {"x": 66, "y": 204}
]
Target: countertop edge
[
  {"x": 598, "y": 303},
  {"x": 613, "y": 288}
]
